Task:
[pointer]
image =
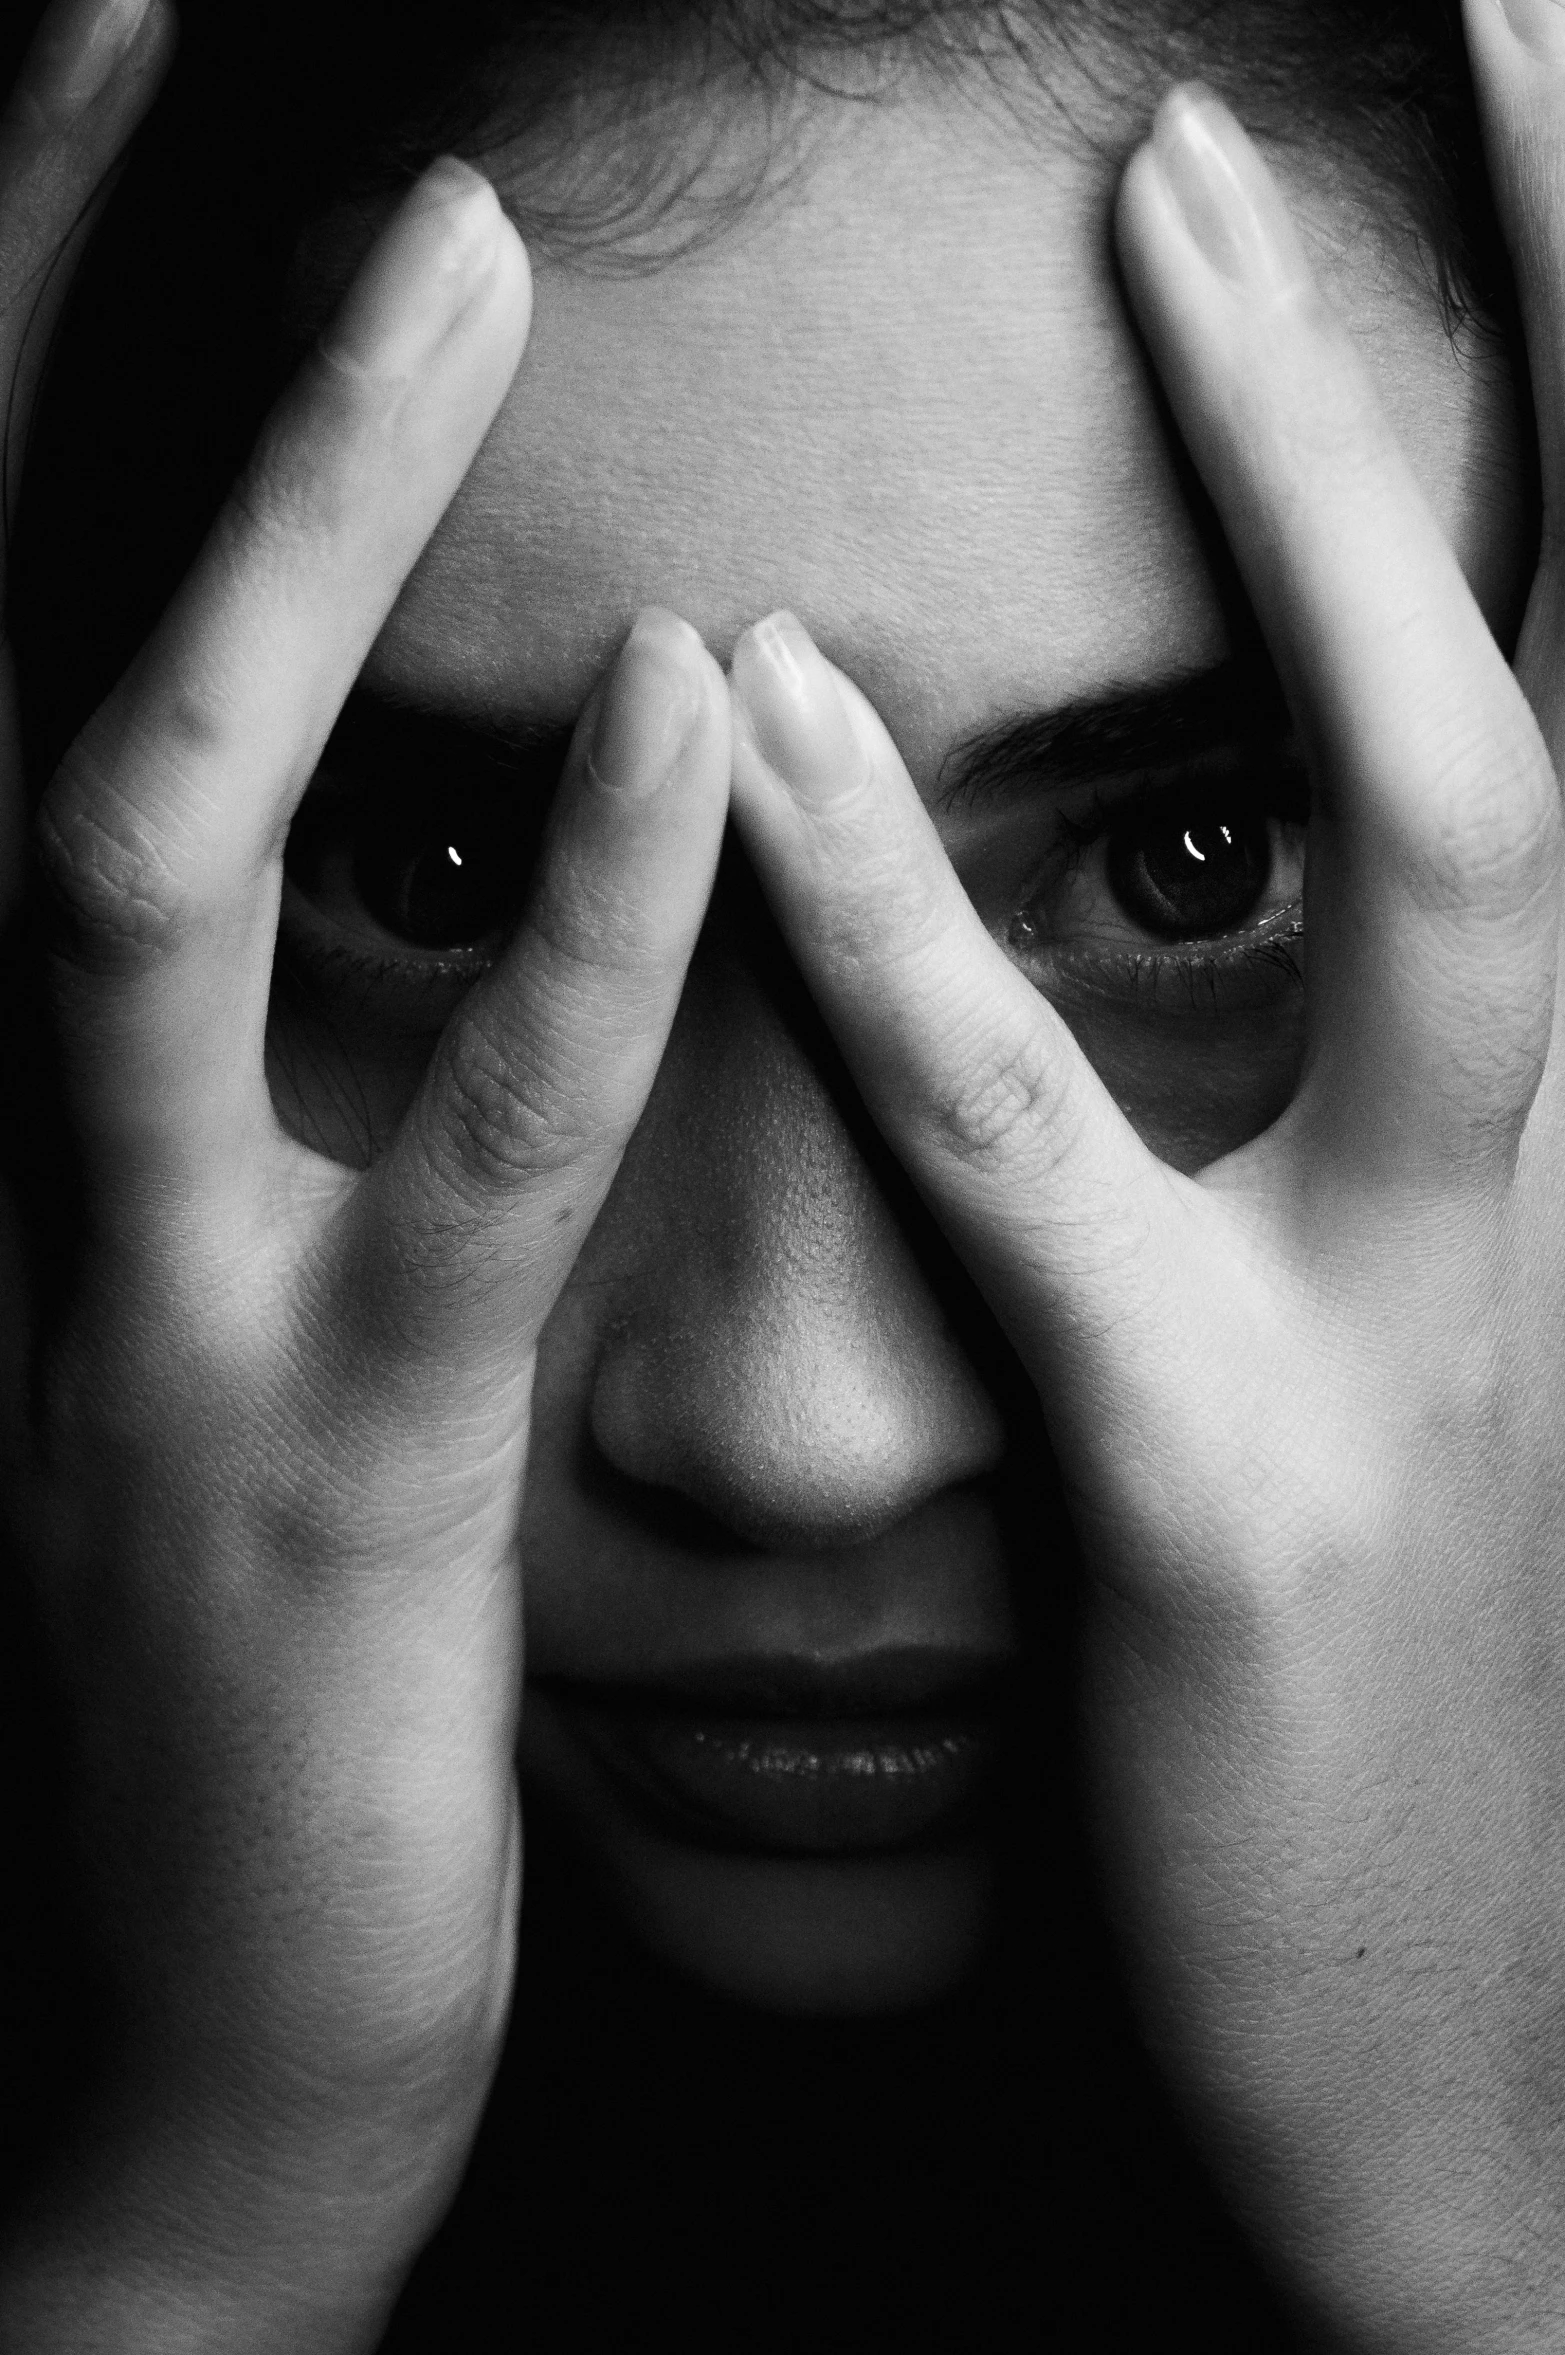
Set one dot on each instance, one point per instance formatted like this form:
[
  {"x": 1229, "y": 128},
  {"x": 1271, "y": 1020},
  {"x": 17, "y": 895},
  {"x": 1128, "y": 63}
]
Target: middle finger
[{"x": 1432, "y": 885}]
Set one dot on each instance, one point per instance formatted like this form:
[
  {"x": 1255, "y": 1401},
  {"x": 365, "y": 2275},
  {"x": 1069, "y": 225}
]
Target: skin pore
[
  {"x": 266, "y": 1466},
  {"x": 902, "y": 397}
]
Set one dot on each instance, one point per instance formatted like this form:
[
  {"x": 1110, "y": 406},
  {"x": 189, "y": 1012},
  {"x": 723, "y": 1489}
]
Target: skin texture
[
  {"x": 788, "y": 415},
  {"x": 1306, "y": 1404},
  {"x": 798, "y": 426}
]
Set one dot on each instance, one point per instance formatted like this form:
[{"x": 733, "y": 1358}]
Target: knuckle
[
  {"x": 1493, "y": 841},
  {"x": 305, "y": 472},
  {"x": 1006, "y": 1104},
  {"x": 876, "y": 910},
  {"x": 276, "y": 500},
  {"x": 509, "y": 1118},
  {"x": 585, "y": 929},
  {"x": 113, "y": 878}
]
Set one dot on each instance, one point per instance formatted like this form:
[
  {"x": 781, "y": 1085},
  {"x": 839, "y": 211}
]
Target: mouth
[{"x": 801, "y": 1756}]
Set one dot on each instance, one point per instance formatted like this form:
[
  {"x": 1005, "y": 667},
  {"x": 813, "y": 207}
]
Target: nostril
[
  {"x": 809, "y": 1451},
  {"x": 789, "y": 1364}
]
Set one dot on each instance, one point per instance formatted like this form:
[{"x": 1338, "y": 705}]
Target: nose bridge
[{"x": 780, "y": 1357}]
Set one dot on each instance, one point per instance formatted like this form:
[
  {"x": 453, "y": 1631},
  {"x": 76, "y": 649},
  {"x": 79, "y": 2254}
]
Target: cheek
[
  {"x": 339, "y": 1084},
  {"x": 1193, "y": 1087}
]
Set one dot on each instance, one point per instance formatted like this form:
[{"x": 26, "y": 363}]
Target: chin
[
  {"x": 854, "y": 1931},
  {"x": 824, "y": 1937}
]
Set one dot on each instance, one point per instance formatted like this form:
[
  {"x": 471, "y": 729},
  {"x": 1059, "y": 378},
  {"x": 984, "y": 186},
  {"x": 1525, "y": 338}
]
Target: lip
[{"x": 797, "y": 1755}]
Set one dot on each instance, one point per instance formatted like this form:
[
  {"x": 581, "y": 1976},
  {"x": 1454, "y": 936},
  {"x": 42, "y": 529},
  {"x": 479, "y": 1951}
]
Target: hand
[
  {"x": 270, "y": 1474},
  {"x": 1308, "y": 1405}
]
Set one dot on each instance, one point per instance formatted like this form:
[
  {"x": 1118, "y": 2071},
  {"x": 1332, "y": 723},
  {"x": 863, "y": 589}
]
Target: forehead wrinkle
[
  {"x": 906, "y": 401},
  {"x": 870, "y": 405}
]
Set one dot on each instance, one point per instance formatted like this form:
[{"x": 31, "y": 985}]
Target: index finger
[
  {"x": 163, "y": 832},
  {"x": 1431, "y": 892},
  {"x": 1092, "y": 1254}
]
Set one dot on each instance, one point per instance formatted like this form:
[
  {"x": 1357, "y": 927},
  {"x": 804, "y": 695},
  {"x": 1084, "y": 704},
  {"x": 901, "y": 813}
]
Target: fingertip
[
  {"x": 669, "y": 637},
  {"x": 718, "y": 708},
  {"x": 778, "y": 649},
  {"x": 796, "y": 718},
  {"x": 1208, "y": 180},
  {"x": 711, "y": 731},
  {"x": 678, "y": 645},
  {"x": 1141, "y": 189},
  {"x": 514, "y": 276},
  {"x": 873, "y": 737},
  {"x": 650, "y": 722},
  {"x": 436, "y": 258},
  {"x": 663, "y": 637},
  {"x": 483, "y": 243},
  {"x": 1538, "y": 25}
]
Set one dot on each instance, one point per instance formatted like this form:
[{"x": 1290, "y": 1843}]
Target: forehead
[{"x": 900, "y": 394}]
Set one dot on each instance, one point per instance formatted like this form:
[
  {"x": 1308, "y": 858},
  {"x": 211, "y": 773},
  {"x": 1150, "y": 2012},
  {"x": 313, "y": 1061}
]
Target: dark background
[{"x": 657, "y": 2165}]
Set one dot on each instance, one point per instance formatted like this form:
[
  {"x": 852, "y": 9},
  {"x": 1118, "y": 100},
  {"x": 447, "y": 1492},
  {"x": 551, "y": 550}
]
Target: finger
[
  {"x": 1518, "y": 60},
  {"x": 86, "y": 83},
  {"x": 1435, "y": 834},
  {"x": 163, "y": 831},
  {"x": 473, "y": 1219},
  {"x": 1087, "y": 1247}
]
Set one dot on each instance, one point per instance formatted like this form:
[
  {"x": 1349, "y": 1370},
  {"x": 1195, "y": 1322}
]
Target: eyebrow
[
  {"x": 405, "y": 737},
  {"x": 1165, "y": 726},
  {"x": 1170, "y": 724}
]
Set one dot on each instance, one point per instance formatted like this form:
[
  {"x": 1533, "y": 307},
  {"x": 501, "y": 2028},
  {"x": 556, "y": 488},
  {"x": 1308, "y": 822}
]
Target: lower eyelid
[
  {"x": 1284, "y": 922},
  {"x": 1237, "y": 973},
  {"x": 398, "y": 988},
  {"x": 304, "y": 921}
]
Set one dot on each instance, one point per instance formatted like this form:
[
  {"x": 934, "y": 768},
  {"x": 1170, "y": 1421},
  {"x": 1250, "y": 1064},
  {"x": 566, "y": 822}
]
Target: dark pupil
[
  {"x": 437, "y": 890},
  {"x": 1192, "y": 874}
]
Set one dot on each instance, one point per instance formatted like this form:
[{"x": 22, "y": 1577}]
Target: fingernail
[
  {"x": 73, "y": 56},
  {"x": 794, "y": 708},
  {"x": 1538, "y": 24},
  {"x": 1230, "y": 202},
  {"x": 649, "y": 707},
  {"x": 419, "y": 274}
]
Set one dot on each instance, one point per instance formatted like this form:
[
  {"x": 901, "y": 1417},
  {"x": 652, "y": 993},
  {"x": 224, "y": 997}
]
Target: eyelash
[
  {"x": 395, "y": 985},
  {"x": 415, "y": 991},
  {"x": 1239, "y": 965},
  {"x": 1248, "y": 957}
]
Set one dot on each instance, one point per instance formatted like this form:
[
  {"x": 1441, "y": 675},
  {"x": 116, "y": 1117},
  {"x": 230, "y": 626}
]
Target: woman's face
[{"x": 771, "y": 1586}]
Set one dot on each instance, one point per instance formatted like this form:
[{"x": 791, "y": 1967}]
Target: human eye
[
  {"x": 1162, "y": 914},
  {"x": 407, "y": 864},
  {"x": 1181, "y": 896}
]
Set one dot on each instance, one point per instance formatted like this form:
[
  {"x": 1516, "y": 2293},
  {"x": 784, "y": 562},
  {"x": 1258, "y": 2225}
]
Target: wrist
[
  {"x": 160, "y": 2250},
  {"x": 68, "y": 2292},
  {"x": 77, "y": 2282}
]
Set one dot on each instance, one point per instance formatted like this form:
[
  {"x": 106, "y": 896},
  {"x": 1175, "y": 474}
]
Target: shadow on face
[{"x": 786, "y": 1501}]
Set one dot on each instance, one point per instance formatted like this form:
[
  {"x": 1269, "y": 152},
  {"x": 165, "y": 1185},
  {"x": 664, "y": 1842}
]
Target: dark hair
[{"x": 172, "y": 348}]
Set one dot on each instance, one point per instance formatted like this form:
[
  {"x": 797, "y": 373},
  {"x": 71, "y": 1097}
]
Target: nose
[{"x": 775, "y": 1350}]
